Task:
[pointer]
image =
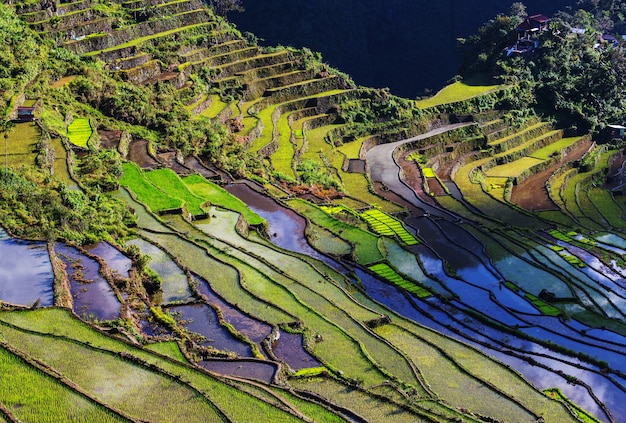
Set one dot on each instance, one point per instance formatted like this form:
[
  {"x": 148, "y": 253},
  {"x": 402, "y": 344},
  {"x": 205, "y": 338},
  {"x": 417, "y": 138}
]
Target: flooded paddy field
[{"x": 26, "y": 275}]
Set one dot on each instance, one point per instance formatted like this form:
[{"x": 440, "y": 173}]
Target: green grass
[
  {"x": 170, "y": 183},
  {"x": 79, "y": 132},
  {"x": 455, "y": 92},
  {"x": 218, "y": 196},
  {"x": 134, "y": 178}
]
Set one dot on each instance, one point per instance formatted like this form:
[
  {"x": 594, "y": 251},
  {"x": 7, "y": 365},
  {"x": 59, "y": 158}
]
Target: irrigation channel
[{"x": 484, "y": 301}]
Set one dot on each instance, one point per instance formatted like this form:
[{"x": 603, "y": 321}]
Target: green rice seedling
[
  {"x": 369, "y": 406},
  {"x": 451, "y": 381},
  {"x": 218, "y": 196},
  {"x": 170, "y": 183},
  {"x": 483, "y": 369},
  {"x": 557, "y": 395},
  {"x": 32, "y": 395},
  {"x": 384, "y": 224},
  {"x": 544, "y": 307},
  {"x": 555, "y": 148},
  {"x": 386, "y": 272},
  {"x": 61, "y": 171},
  {"x": 236, "y": 404},
  {"x": 365, "y": 243},
  {"x": 216, "y": 107},
  {"x": 141, "y": 40},
  {"x": 79, "y": 131},
  {"x": 168, "y": 348},
  {"x": 265, "y": 116},
  {"x": 134, "y": 389},
  {"x": 428, "y": 172},
  {"x": 312, "y": 410},
  {"x": 21, "y": 141},
  {"x": 146, "y": 192}
]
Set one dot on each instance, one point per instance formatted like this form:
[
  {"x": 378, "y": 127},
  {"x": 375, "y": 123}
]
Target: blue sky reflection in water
[{"x": 25, "y": 272}]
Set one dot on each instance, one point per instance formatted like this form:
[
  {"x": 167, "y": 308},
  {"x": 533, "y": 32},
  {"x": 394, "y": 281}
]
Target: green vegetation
[
  {"x": 79, "y": 132},
  {"x": 208, "y": 99},
  {"x": 386, "y": 272},
  {"x": 386, "y": 225},
  {"x": 135, "y": 179},
  {"x": 218, "y": 196},
  {"x": 457, "y": 92}
]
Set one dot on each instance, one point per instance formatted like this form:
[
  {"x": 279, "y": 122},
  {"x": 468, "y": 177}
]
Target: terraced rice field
[{"x": 413, "y": 308}]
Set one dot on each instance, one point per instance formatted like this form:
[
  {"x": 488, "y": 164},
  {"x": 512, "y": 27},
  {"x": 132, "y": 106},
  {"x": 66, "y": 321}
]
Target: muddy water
[
  {"x": 25, "y": 272},
  {"x": 254, "y": 329},
  {"x": 290, "y": 350},
  {"x": 117, "y": 262},
  {"x": 249, "y": 369},
  {"x": 202, "y": 319},
  {"x": 138, "y": 153},
  {"x": 92, "y": 295}
]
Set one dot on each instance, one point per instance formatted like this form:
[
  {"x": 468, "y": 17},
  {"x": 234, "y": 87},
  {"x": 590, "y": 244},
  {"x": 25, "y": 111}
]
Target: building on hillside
[
  {"x": 531, "y": 26},
  {"x": 527, "y": 33},
  {"x": 615, "y": 131},
  {"x": 25, "y": 114}
]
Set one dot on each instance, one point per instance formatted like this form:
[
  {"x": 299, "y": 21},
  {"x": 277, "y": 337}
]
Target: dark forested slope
[{"x": 407, "y": 46}]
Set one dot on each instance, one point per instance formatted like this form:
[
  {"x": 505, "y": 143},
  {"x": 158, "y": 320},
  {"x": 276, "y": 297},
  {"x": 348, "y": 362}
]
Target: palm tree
[{"x": 6, "y": 127}]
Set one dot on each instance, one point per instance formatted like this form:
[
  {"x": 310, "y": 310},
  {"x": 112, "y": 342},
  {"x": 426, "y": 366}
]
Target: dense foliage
[
  {"x": 21, "y": 55},
  {"x": 575, "y": 76},
  {"x": 34, "y": 204}
]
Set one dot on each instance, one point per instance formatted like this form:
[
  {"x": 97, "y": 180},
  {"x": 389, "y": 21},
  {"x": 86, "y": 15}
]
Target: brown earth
[{"x": 532, "y": 194}]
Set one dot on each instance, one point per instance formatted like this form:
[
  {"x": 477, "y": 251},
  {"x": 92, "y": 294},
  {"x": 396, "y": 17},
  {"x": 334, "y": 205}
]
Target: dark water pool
[
  {"x": 202, "y": 319},
  {"x": 92, "y": 295}
]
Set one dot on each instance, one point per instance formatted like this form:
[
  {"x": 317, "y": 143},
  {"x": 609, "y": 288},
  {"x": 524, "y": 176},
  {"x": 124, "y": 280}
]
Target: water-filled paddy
[
  {"x": 26, "y": 274},
  {"x": 91, "y": 293},
  {"x": 174, "y": 284},
  {"x": 254, "y": 329},
  {"x": 289, "y": 349},
  {"x": 249, "y": 369},
  {"x": 118, "y": 262},
  {"x": 202, "y": 319}
]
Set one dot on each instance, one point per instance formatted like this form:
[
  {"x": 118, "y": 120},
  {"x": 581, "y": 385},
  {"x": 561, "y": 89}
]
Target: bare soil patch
[{"x": 532, "y": 194}]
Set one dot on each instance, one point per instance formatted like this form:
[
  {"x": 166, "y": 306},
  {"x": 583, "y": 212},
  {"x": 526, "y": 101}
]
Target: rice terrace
[{"x": 197, "y": 227}]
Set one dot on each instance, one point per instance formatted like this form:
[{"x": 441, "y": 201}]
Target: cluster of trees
[
  {"x": 574, "y": 76},
  {"x": 33, "y": 205},
  {"x": 21, "y": 55}
]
